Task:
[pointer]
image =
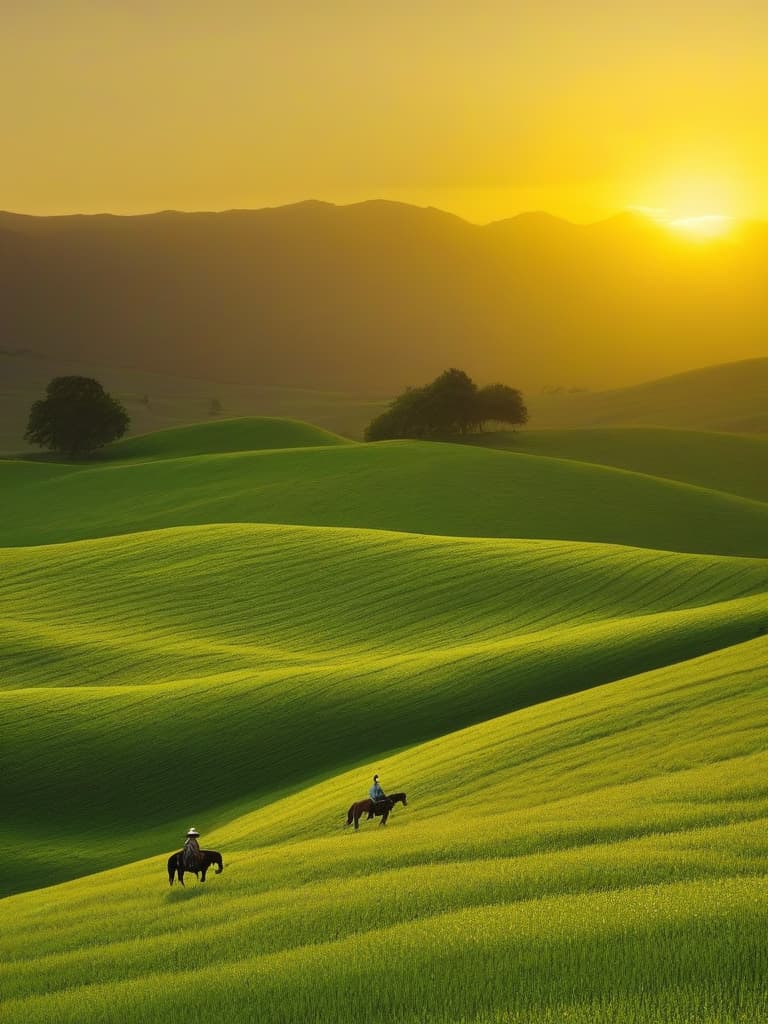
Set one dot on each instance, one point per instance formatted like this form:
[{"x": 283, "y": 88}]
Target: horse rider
[
  {"x": 376, "y": 793},
  {"x": 191, "y": 855}
]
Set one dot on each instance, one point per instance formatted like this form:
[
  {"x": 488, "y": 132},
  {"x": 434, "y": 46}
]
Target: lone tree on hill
[
  {"x": 76, "y": 417},
  {"x": 499, "y": 403},
  {"x": 451, "y": 404}
]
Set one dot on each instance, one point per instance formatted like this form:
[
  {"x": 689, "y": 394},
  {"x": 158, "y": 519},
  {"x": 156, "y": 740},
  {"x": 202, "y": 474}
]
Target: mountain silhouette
[{"x": 377, "y": 295}]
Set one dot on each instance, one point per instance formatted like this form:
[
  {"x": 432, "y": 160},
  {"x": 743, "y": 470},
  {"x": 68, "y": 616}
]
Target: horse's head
[{"x": 398, "y": 798}]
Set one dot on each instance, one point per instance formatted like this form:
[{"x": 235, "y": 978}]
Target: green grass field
[
  {"x": 562, "y": 661},
  {"x": 733, "y": 463},
  {"x": 248, "y": 433},
  {"x": 418, "y": 487}
]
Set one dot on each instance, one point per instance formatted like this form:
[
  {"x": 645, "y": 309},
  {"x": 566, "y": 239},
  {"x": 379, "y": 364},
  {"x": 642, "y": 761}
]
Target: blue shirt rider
[{"x": 376, "y": 793}]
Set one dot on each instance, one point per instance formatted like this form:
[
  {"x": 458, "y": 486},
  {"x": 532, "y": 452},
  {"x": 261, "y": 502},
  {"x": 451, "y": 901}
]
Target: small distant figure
[
  {"x": 377, "y": 805},
  {"x": 177, "y": 867},
  {"x": 376, "y": 793},
  {"x": 191, "y": 854},
  {"x": 215, "y": 407}
]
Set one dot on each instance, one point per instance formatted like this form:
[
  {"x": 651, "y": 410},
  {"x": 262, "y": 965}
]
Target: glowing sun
[{"x": 709, "y": 225}]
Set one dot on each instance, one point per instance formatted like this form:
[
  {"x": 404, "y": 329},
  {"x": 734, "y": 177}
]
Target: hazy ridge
[{"x": 378, "y": 295}]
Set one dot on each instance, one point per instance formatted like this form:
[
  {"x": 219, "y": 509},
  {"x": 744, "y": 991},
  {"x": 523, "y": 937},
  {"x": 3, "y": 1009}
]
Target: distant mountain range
[{"x": 378, "y": 295}]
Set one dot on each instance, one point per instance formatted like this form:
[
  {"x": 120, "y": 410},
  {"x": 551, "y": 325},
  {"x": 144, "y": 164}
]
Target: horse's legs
[
  {"x": 384, "y": 817},
  {"x": 180, "y": 869},
  {"x": 357, "y": 821},
  {"x": 203, "y": 878}
]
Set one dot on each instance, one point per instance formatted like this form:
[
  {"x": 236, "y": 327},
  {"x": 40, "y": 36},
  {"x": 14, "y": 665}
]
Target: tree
[
  {"x": 76, "y": 417},
  {"x": 452, "y": 404},
  {"x": 501, "y": 403},
  {"x": 406, "y": 416}
]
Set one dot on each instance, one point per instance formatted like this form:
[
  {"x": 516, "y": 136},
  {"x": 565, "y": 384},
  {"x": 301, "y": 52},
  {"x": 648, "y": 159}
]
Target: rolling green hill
[
  {"x": 561, "y": 656},
  {"x": 735, "y": 463},
  {"x": 724, "y": 397},
  {"x": 453, "y": 490},
  {"x": 242, "y": 638},
  {"x": 247, "y": 433},
  {"x": 600, "y": 856}
]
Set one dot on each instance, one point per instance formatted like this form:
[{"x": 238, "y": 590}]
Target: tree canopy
[
  {"x": 76, "y": 417},
  {"x": 451, "y": 404}
]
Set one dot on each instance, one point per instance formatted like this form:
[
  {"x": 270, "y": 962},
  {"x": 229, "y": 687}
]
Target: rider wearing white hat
[{"x": 191, "y": 853}]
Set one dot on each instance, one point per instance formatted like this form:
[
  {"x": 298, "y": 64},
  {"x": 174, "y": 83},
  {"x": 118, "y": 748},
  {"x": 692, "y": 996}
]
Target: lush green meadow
[
  {"x": 418, "y": 487},
  {"x": 599, "y": 854},
  {"x": 245, "y": 434},
  {"x": 734, "y": 463},
  {"x": 563, "y": 663}
]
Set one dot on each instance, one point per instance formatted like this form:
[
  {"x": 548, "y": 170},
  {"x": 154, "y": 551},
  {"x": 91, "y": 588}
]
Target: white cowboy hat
[{"x": 193, "y": 832}]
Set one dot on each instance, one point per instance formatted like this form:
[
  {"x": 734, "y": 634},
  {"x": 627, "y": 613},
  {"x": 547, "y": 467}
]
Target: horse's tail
[
  {"x": 219, "y": 864},
  {"x": 173, "y": 865},
  {"x": 350, "y": 814}
]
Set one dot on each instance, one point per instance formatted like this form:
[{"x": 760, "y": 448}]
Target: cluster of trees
[
  {"x": 452, "y": 404},
  {"x": 76, "y": 417}
]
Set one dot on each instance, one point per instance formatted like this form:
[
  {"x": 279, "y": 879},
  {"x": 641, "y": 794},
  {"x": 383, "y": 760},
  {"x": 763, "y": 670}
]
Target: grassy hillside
[
  {"x": 248, "y": 433},
  {"x": 735, "y": 463},
  {"x": 725, "y": 397},
  {"x": 453, "y": 490},
  {"x": 129, "y": 657},
  {"x": 598, "y": 857},
  {"x": 580, "y": 728}
]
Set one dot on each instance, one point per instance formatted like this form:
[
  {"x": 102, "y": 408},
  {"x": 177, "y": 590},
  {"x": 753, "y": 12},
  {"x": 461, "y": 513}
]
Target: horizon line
[{"x": 627, "y": 213}]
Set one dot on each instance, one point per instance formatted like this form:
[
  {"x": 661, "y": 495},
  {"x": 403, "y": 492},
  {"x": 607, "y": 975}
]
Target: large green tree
[
  {"x": 407, "y": 416},
  {"x": 76, "y": 417},
  {"x": 500, "y": 403},
  {"x": 452, "y": 404}
]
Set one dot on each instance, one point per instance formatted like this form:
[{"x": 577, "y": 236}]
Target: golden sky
[{"x": 578, "y": 107}]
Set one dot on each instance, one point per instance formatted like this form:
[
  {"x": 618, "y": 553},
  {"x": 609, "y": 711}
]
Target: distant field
[
  {"x": 419, "y": 487},
  {"x": 735, "y": 463},
  {"x": 730, "y": 397},
  {"x": 160, "y": 401},
  {"x": 559, "y": 651}
]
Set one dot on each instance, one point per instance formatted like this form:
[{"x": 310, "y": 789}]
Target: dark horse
[
  {"x": 208, "y": 857},
  {"x": 379, "y": 808}
]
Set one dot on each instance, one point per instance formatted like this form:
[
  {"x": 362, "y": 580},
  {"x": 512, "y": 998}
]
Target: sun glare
[{"x": 710, "y": 225}]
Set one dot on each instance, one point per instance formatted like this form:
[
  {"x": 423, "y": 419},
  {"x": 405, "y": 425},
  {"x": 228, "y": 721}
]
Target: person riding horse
[
  {"x": 376, "y": 793},
  {"x": 191, "y": 855}
]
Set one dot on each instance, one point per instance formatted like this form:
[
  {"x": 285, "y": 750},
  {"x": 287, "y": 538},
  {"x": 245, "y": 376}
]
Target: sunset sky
[{"x": 578, "y": 107}]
